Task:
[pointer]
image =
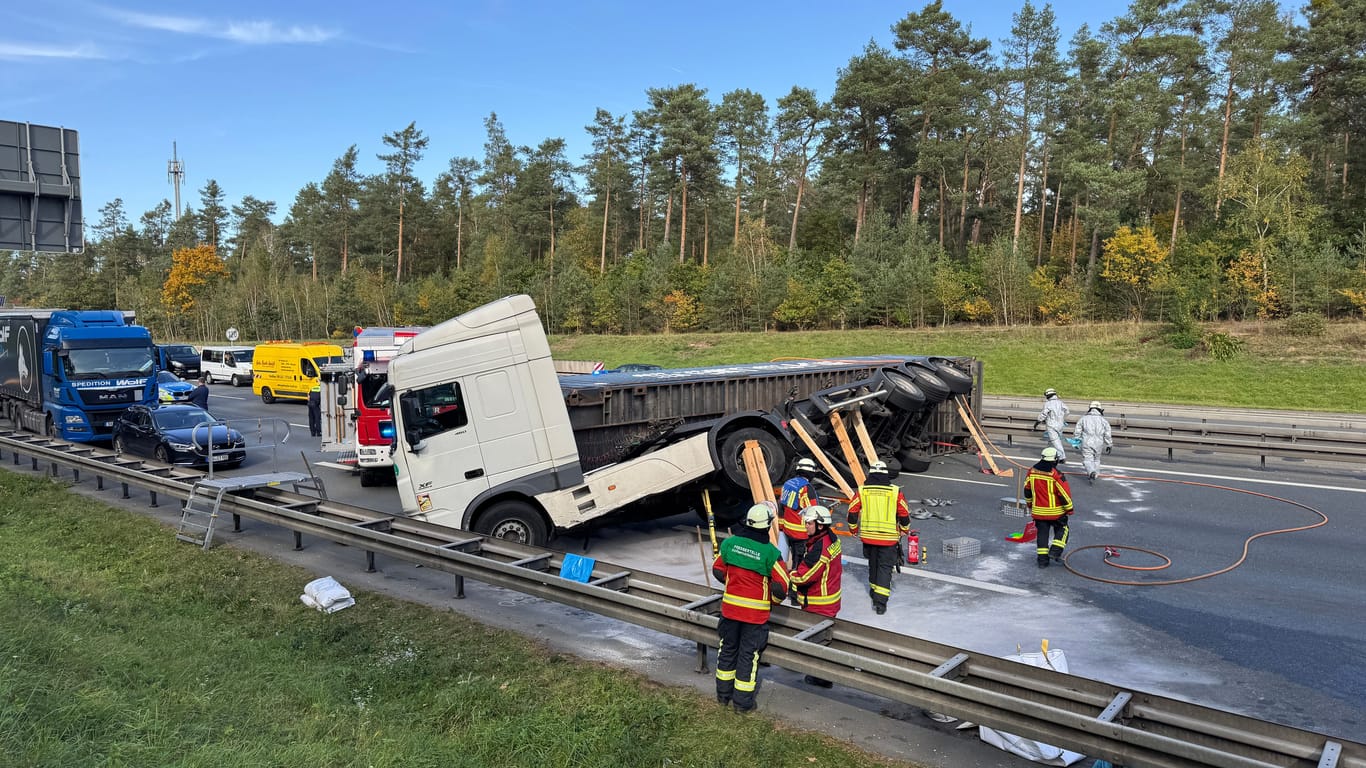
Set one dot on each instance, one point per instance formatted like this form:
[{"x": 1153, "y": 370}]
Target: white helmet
[
  {"x": 816, "y": 514},
  {"x": 877, "y": 466},
  {"x": 1049, "y": 454},
  {"x": 1095, "y": 406},
  {"x": 1050, "y": 392},
  {"x": 759, "y": 516},
  {"x": 805, "y": 466}
]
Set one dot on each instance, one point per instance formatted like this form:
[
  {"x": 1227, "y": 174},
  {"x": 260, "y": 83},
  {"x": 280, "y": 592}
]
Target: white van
[{"x": 231, "y": 364}]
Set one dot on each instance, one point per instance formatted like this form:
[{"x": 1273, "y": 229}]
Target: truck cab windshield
[
  {"x": 372, "y": 390},
  {"x": 108, "y": 363}
]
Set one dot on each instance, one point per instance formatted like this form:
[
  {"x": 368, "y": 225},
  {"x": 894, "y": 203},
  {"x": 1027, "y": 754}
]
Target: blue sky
[{"x": 263, "y": 96}]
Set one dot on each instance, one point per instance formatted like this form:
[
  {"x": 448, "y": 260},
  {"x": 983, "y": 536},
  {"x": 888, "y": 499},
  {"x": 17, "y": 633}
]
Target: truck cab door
[{"x": 445, "y": 463}]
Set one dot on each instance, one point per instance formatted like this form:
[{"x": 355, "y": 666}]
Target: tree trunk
[
  {"x": 862, "y": 208},
  {"x": 1043, "y": 205},
  {"x": 683, "y": 217},
  {"x": 346, "y": 226},
  {"x": 398, "y": 272},
  {"x": 915, "y": 194},
  {"x": 1345, "y": 136},
  {"x": 796, "y": 209},
  {"x": 668, "y": 216},
  {"x": 606, "y": 207},
  {"x": 1095, "y": 254},
  {"x": 963, "y": 194},
  {"x": 943, "y": 190},
  {"x": 1057, "y": 208},
  {"x": 1180, "y": 177},
  {"x": 1019, "y": 186},
  {"x": 736, "y": 236},
  {"x": 1076, "y": 215},
  {"x": 1223, "y": 149},
  {"x": 706, "y": 233},
  {"x": 459, "y": 239}
]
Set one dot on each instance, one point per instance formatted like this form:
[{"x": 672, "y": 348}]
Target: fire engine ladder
[{"x": 199, "y": 516}]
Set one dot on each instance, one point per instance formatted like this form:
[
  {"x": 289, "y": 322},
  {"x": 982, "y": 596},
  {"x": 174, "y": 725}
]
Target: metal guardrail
[
  {"x": 1286, "y": 434},
  {"x": 1098, "y": 719}
]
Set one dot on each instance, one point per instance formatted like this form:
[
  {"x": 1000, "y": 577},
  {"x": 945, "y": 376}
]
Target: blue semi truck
[{"x": 69, "y": 374}]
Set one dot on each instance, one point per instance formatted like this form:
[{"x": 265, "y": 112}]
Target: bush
[
  {"x": 1182, "y": 333},
  {"x": 1222, "y": 346},
  {"x": 1305, "y": 324}
]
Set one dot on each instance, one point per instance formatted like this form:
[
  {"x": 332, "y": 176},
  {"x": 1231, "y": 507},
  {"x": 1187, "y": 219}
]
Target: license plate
[{"x": 106, "y": 424}]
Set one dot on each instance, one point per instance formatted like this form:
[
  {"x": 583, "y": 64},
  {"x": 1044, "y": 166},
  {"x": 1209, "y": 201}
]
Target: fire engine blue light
[
  {"x": 386, "y": 429},
  {"x": 368, "y": 355}
]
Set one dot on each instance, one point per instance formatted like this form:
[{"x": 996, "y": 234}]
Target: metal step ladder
[{"x": 201, "y": 511}]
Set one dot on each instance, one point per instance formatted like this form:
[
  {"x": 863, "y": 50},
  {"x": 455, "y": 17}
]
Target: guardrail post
[
  {"x": 153, "y": 494},
  {"x": 459, "y": 587},
  {"x": 35, "y": 463},
  {"x": 125, "y": 490},
  {"x": 99, "y": 482},
  {"x": 56, "y": 469},
  {"x": 369, "y": 561},
  {"x": 298, "y": 541},
  {"x": 702, "y": 659},
  {"x": 76, "y": 474},
  {"x": 236, "y": 523}
]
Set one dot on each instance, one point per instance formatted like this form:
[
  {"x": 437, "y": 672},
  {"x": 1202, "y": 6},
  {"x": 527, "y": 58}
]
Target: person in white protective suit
[
  {"x": 1093, "y": 430},
  {"x": 1053, "y": 417}
]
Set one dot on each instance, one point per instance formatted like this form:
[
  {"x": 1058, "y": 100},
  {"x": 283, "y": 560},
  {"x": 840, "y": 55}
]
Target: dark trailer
[{"x": 617, "y": 416}]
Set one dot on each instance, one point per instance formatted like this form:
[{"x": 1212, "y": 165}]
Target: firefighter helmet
[
  {"x": 759, "y": 516},
  {"x": 877, "y": 466},
  {"x": 1095, "y": 406},
  {"x": 1050, "y": 392},
  {"x": 1049, "y": 454},
  {"x": 805, "y": 466},
  {"x": 816, "y": 514}
]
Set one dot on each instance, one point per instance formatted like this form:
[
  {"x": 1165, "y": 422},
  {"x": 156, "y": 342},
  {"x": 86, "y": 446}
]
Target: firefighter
[
  {"x": 794, "y": 498},
  {"x": 1053, "y": 417},
  {"x": 315, "y": 411},
  {"x": 1093, "y": 432},
  {"x": 756, "y": 579},
  {"x": 817, "y": 576},
  {"x": 1050, "y": 502},
  {"x": 880, "y": 517}
]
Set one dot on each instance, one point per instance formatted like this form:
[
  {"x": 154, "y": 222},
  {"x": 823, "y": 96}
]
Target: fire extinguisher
[{"x": 913, "y": 548}]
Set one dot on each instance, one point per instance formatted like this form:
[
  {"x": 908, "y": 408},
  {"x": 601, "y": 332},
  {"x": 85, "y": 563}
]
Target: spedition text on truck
[
  {"x": 69, "y": 374},
  {"x": 492, "y": 440}
]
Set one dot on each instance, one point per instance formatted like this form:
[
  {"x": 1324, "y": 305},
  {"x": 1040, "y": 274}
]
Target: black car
[
  {"x": 177, "y": 434},
  {"x": 180, "y": 359}
]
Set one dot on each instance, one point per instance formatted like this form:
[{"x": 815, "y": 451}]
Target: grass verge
[
  {"x": 1112, "y": 361},
  {"x": 121, "y": 647}
]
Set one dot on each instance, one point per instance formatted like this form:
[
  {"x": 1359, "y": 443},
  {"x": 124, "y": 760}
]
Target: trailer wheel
[
  {"x": 733, "y": 454},
  {"x": 936, "y": 390},
  {"x": 267, "y": 396},
  {"x": 959, "y": 382},
  {"x": 902, "y": 391},
  {"x": 913, "y": 461},
  {"x": 515, "y": 521}
]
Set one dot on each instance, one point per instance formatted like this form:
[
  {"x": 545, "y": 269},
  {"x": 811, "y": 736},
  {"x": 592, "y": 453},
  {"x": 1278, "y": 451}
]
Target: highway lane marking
[{"x": 1174, "y": 473}]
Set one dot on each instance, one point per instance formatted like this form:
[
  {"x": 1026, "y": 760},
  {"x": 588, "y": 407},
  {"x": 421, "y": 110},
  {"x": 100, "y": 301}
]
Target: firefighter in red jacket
[
  {"x": 1050, "y": 502},
  {"x": 879, "y": 517},
  {"x": 817, "y": 577},
  {"x": 756, "y": 579},
  {"x": 792, "y": 500}
]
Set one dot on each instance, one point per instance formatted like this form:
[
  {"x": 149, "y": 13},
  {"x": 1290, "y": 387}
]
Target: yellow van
[{"x": 287, "y": 370}]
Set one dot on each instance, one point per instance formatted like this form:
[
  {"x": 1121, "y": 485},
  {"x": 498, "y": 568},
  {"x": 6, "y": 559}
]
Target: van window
[
  {"x": 307, "y": 368},
  {"x": 436, "y": 409}
]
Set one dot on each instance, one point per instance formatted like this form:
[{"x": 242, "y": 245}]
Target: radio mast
[{"x": 175, "y": 173}]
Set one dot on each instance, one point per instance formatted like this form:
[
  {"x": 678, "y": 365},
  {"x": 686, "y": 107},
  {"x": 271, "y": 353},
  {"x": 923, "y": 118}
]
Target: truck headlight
[{"x": 75, "y": 418}]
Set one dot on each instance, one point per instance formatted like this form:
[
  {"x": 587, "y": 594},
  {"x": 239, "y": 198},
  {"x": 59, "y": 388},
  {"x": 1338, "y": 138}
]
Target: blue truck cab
[{"x": 69, "y": 373}]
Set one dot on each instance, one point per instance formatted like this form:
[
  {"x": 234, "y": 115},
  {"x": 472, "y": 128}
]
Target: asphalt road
[{"x": 1282, "y": 636}]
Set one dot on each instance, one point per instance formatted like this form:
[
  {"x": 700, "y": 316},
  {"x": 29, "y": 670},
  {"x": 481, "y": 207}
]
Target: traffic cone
[{"x": 1029, "y": 534}]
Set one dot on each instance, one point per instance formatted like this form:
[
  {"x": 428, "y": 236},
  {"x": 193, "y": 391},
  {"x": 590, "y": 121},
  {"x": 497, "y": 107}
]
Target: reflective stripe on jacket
[
  {"x": 795, "y": 497},
  {"x": 879, "y": 515},
  {"x": 755, "y": 578},
  {"x": 819, "y": 575},
  {"x": 1048, "y": 493}
]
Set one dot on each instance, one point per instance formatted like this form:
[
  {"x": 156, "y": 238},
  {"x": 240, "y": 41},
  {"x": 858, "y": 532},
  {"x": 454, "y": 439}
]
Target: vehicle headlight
[{"x": 181, "y": 446}]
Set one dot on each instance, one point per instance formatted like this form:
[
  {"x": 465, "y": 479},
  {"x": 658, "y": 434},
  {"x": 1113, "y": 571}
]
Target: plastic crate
[
  {"x": 962, "y": 546},
  {"x": 1013, "y": 507}
]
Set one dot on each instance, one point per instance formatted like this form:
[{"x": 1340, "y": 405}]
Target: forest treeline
[{"x": 1187, "y": 161}]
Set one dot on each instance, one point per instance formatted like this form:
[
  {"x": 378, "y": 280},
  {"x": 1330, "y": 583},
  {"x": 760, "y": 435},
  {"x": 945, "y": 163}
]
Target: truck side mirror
[{"x": 409, "y": 415}]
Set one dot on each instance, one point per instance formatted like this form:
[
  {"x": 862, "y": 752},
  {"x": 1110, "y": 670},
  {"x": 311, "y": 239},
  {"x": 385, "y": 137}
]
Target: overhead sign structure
[{"x": 40, "y": 190}]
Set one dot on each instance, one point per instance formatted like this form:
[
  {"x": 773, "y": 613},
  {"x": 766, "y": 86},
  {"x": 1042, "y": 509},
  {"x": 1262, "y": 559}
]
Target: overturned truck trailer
[
  {"x": 493, "y": 440},
  {"x": 617, "y": 416}
]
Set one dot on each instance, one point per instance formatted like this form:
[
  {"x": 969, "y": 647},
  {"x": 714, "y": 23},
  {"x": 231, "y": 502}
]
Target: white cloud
[
  {"x": 245, "y": 32},
  {"x": 19, "y": 51}
]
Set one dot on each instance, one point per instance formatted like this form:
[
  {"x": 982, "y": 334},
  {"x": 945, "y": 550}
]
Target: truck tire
[
  {"x": 236, "y": 380},
  {"x": 267, "y": 396},
  {"x": 959, "y": 382},
  {"x": 515, "y": 521},
  {"x": 732, "y": 450},
  {"x": 902, "y": 391},
  {"x": 913, "y": 461},
  {"x": 925, "y": 377}
]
